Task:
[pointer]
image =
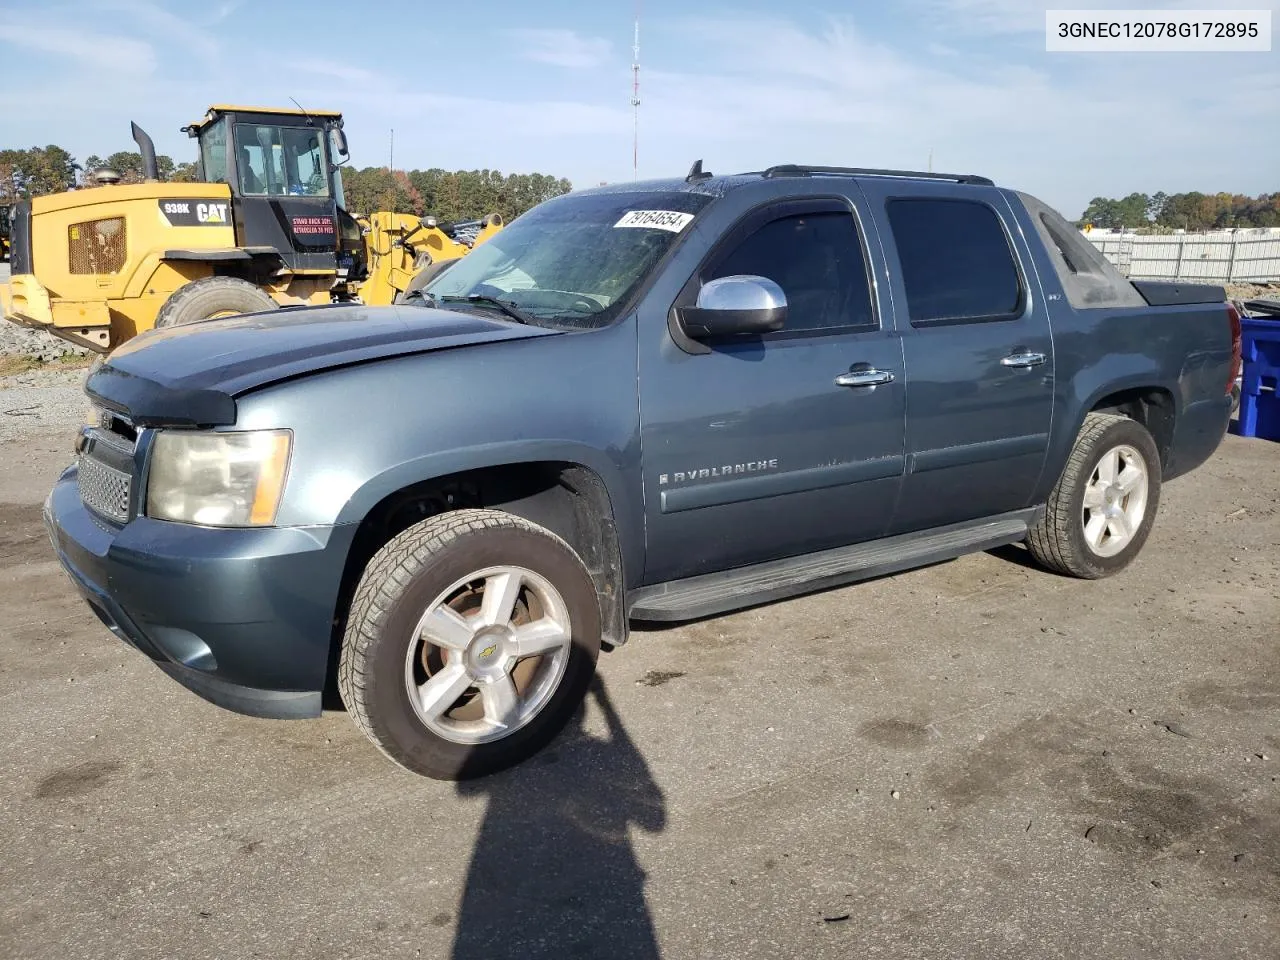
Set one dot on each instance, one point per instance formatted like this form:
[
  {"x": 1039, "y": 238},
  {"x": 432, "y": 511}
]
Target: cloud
[
  {"x": 336, "y": 71},
  {"x": 104, "y": 51},
  {"x": 182, "y": 32},
  {"x": 992, "y": 16},
  {"x": 741, "y": 91},
  {"x": 769, "y": 90},
  {"x": 562, "y": 48}
]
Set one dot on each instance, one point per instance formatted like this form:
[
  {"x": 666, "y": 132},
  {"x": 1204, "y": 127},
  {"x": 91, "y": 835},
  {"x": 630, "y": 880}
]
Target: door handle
[
  {"x": 864, "y": 378},
  {"x": 1024, "y": 358}
]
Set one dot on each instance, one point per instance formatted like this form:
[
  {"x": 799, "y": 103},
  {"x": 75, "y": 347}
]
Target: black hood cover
[{"x": 190, "y": 375}]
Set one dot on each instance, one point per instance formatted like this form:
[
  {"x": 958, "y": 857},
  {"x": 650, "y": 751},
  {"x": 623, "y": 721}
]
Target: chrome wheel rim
[
  {"x": 1115, "y": 501},
  {"x": 488, "y": 654}
]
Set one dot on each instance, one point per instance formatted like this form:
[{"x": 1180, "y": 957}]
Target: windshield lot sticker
[{"x": 656, "y": 220}]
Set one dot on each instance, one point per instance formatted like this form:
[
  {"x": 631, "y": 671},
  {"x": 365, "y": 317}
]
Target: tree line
[
  {"x": 1185, "y": 211},
  {"x": 448, "y": 195},
  {"x": 445, "y": 194}
]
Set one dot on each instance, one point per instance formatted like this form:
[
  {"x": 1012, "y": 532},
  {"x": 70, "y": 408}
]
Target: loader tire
[{"x": 212, "y": 297}]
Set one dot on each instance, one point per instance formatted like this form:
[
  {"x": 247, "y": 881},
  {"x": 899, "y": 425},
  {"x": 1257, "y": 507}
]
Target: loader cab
[{"x": 282, "y": 169}]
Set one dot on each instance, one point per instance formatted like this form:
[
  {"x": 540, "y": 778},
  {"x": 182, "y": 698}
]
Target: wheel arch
[
  {"x": 165, "y": 270},
  {"x": 1152, "y": 406},
  {"x": 1128, "y": 383}
]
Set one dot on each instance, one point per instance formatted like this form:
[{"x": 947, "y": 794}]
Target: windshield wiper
[{"x": 506, "y": 306}]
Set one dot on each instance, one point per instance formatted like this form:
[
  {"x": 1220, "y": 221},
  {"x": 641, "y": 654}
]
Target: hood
[{"x": 190, "y": 375}]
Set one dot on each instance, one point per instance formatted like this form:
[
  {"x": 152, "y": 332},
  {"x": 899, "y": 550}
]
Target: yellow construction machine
[{"x": 266, "y": 226}]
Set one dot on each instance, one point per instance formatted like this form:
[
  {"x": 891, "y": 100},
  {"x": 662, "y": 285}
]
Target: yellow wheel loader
[{"x": 266, "y": 226}]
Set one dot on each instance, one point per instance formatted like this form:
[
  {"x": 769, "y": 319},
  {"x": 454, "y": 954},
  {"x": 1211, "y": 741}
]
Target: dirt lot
[{"x": 972, "y": 760}]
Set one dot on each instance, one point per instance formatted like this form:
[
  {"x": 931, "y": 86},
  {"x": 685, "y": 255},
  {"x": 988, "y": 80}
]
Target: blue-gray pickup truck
[{"x": 651, "y": 401}]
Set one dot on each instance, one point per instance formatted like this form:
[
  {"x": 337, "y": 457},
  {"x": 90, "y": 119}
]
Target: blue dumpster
[{"x": 1259, "y": 397}]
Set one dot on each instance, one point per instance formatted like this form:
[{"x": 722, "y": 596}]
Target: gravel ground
[
  {"x": 973, "y": 760},
  {"x": 27, "y": 342},
  {"x": 40, "y": 402}
]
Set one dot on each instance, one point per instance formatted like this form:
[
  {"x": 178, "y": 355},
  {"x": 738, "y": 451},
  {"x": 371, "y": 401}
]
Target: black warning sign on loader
[{"x": 196, "y": 213}]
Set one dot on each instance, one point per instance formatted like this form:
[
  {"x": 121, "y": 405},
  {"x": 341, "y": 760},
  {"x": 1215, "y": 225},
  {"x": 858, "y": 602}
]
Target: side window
[
  {"x": 1059, "y": 243},
  {"x": 817, "y": 260},
  {"x": 956, "y": 261},
  {"x": 213, "y": 152}
]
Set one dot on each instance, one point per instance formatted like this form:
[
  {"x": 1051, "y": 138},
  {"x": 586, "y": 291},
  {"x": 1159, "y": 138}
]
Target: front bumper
[{"x": 243, "y": 618}]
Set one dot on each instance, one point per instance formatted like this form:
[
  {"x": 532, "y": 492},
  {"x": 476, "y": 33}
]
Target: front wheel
[
  {"x": 1103, "y": 506},
  {"x": 472, "y": 639}
]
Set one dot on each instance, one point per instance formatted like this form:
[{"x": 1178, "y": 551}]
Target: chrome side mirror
[{"x": 735, "y": 306}]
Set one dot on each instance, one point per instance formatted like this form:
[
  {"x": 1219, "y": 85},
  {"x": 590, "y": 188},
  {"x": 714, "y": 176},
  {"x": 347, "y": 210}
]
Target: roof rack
[{"x": 804, "y": 170}]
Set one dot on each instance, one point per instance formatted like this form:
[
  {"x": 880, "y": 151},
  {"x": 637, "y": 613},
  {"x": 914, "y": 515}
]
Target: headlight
[{"x": 218, "y": 479}]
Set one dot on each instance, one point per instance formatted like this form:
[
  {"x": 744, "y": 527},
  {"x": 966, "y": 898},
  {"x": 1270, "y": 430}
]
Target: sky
[{"x": 742, "y": 84}]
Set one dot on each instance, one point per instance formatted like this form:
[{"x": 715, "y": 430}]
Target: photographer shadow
[{"x": 554, "y": 873}]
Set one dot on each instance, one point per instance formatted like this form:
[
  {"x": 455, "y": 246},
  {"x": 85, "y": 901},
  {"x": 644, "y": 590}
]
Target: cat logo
[
  {"x": 196, "y": 213},
  {"x": 211, "y": 212}
]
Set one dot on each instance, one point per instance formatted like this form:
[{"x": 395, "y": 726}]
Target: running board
[{"x": 713, "y": 593}]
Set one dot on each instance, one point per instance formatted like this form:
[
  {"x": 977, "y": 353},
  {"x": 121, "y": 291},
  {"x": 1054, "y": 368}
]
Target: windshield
[
  {"x": 281, "y": 161},
  {"x": 574, "y": 260}
]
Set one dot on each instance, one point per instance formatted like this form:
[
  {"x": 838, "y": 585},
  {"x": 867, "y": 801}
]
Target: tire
[
  {"x": 211, "y": 297},
  {"x": 413, "y": 292},
  {"x": 1067, "y": 542},
  {"x": 411, "y": 590}
]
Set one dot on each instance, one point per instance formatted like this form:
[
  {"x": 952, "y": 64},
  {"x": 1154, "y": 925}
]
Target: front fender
[
  {"x": 366, "y": 431},
  {"x": 627, "y": 511}
]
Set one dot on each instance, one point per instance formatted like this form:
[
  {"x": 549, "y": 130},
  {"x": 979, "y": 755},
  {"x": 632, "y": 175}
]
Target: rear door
[{"x": 978, "y": 350}]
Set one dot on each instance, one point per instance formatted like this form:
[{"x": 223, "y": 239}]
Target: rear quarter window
[{"x": 957, "y": 266}]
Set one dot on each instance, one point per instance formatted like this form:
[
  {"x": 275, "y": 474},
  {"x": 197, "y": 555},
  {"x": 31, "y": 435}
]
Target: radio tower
[{"x": 635, "y": 100}]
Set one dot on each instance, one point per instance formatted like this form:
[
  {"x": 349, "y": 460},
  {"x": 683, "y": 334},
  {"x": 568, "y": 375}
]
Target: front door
[
  {"x": 753, "y": 449},
  {"x": 978, "y": 347},
  {"x": 283, "y": 196}
]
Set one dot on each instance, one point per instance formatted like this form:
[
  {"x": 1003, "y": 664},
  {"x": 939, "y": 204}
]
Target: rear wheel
[
  {"x": 471, "y": 640},
  {"x": 210, "y": 298},
  {"x": 1104, "y": 504}
]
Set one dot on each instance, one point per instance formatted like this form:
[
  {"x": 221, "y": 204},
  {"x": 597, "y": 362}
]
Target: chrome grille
[{"x": 104, "y": 489}]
